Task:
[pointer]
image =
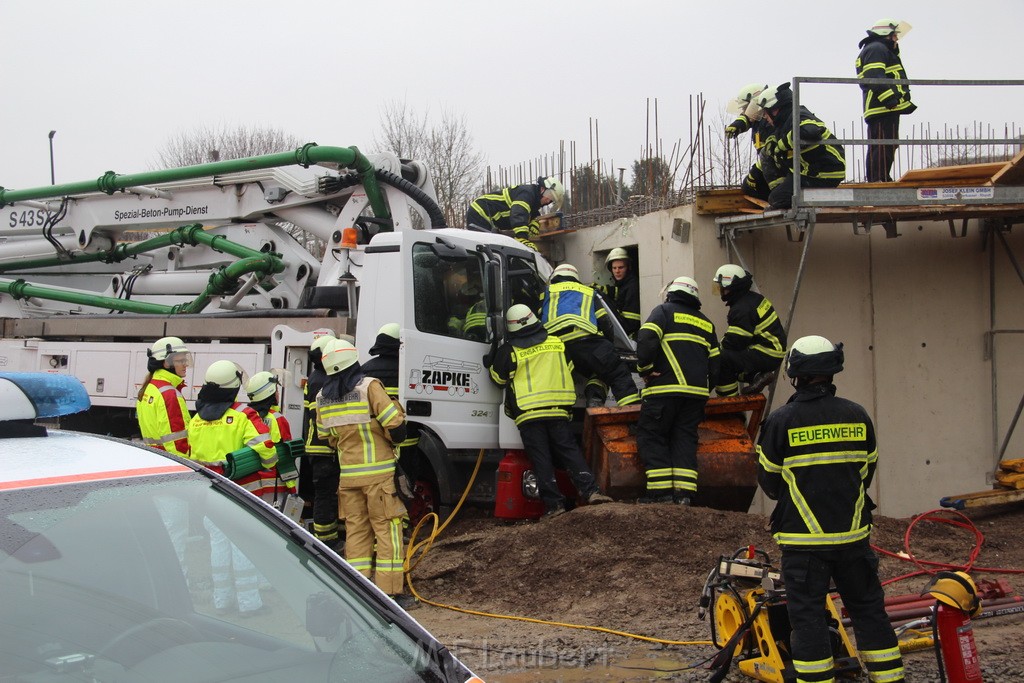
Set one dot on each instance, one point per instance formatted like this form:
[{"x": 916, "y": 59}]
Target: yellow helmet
[
  {"x": 167, "y": 348},
  {"x": 392, "y": 330},
  {"x": 262, "y": 385},
  {"x": 744, "y": 97},
  {"x": 320, "y": 341},
  {"x": 956, "y": 589},
  {"x": 554, "y": 190},
  {"x": 885, "y": 27},
  {"x": 338, "y": 355},
  {"x": 225, "y": 374}
]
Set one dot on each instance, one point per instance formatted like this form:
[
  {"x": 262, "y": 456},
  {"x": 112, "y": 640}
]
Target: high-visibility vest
[{"x": 569, "y": 311}]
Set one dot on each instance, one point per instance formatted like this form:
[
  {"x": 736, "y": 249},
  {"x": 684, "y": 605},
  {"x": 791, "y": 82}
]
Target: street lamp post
[{"x": 53, "y": 180}]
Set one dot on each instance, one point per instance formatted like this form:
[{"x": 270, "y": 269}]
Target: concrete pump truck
[{"x": 91, "y": 273}]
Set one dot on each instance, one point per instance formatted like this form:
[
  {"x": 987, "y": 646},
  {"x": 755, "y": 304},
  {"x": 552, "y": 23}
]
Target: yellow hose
[{"x": 423, "y": 547}]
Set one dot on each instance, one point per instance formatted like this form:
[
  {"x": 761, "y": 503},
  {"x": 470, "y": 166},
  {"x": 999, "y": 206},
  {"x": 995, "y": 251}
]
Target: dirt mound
[{"x": 640, "y": 568}]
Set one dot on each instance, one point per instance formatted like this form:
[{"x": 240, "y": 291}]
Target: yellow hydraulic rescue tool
[{"x": 750, "y": 622}]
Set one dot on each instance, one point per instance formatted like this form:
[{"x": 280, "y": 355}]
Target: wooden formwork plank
[{"x": 1012, "y": 173}]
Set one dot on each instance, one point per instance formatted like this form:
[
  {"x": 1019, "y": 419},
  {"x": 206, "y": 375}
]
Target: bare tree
[
  {"x": 455, "y": 165},
  {"x": 403, "y": 131},
  {"x": 205, "y": 143},
  {"x": 447, "y": 148}
]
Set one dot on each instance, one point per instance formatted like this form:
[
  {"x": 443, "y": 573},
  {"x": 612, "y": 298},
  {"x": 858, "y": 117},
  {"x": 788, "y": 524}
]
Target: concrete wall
[{"x": 913, "y": 313}]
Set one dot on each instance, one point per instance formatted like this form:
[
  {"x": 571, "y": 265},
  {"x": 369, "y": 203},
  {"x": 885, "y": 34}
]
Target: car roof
[
  {"x": 72, "y": 457},
  {"x": 50, "y": 458}
]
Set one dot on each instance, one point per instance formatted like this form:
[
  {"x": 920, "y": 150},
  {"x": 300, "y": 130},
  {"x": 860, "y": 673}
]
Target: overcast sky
[{"x": 115, "y": 79}]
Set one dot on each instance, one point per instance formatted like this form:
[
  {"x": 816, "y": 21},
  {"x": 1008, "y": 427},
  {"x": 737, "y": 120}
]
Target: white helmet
[
  {"x": 225, "y": 374},
  {"x": 167, "y": 347},
  {"x": 744, "y": 97},
  {"x": 338, "y": 355},
  {"x": 565, "y": 270},
  {"x": 684, "y": 284},
  {"x": 261, "y": 385},
  {"x": 554, "y": 190},
  {"x": 616, "y": 254},
  {"x": 519, "y": 316},
  {"x": 884, "y": 27},
  {"x": 727, "y": 276},
  {"x": 392, "y": 330},
  {"x": 814, "y": 356}
]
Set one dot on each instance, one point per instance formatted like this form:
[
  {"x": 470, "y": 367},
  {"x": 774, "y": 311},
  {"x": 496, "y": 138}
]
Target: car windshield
[{"x": 111, "y": 581}]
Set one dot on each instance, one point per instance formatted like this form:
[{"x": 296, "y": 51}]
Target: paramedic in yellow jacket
[
  {"x": 363, "y": 423},
  {"x": 222, "y": 425}
]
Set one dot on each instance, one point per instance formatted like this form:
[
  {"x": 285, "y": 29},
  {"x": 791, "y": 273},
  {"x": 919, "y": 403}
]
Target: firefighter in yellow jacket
[
  {"x": 220, "y": 426},
  {"x": 363, "y": 423}
]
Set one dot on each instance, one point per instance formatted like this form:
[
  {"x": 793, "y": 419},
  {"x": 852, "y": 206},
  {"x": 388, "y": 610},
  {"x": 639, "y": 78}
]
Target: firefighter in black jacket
[
  {"x": 384, "y": 366},
  {"x": 750, "y": 117},
  {"x": 883, "y": 104},
  {"x": 821, "y": 164},
  {"x": 516, "y": 208},
  {"x": 755, "y": 342},
  {"x": 677, "y": 355},
  {"x": 624, "y": 290},
  {"x": 816, "y": 457},
  {"x": 539, "y": 395},
  {"x": 320, "y": 455}
]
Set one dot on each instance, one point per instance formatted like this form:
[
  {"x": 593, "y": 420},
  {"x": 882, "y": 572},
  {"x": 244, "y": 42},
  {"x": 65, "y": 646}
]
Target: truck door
[{"x": 444, "y": 382}]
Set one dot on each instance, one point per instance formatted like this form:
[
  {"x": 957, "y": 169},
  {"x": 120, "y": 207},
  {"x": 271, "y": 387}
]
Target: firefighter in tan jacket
[{"x": 363, "y": 424}]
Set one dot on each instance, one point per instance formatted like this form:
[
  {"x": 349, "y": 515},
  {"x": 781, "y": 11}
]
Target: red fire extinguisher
[{"x": 957, "y": 600}]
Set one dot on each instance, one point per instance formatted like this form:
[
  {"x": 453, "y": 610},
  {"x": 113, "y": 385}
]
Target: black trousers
[
  {"x": 550, "y": 442},
  {"x": 756, "y": 184},
  {"x": 666, "y": 439},
  {"x": 326, "y": 474},
  {"x": 854, "y": 569},
  {"x": 741, "y": 365},
  {"x": 781, "y": 196},
  {"x": 595, "y": 356},
  {"x": 878, "y": 164}
]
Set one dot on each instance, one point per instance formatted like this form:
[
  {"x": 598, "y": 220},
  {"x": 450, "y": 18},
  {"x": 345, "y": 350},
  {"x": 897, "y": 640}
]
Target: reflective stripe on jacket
[
  {"x": 358, "y": 424},
  {"x": 878, "y": 59},
  {"x": 677, "y": 344},
  {"x": 626, "y": 301},
  {"x": 162, "y": 414},
  {"x": 816, "y": 457},
  {"x": 754, "y": 325},
  {"x": 537, "y": 377},
  {"x": 513, "y": 207},
  {"x": 570, "y": 311},
  {"x": 816, "y": 160},
  {"x": 238, "y": 427},
  {"x": 316, "y": 445}
]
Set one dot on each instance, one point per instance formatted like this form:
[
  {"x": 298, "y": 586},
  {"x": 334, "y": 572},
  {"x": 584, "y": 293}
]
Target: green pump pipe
[
  {"x": 185, "y": 235},
  {"x": 221, "y": 282},
  {"x": 19, "y": 289},
  {"x": 305, "y": 156}
]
